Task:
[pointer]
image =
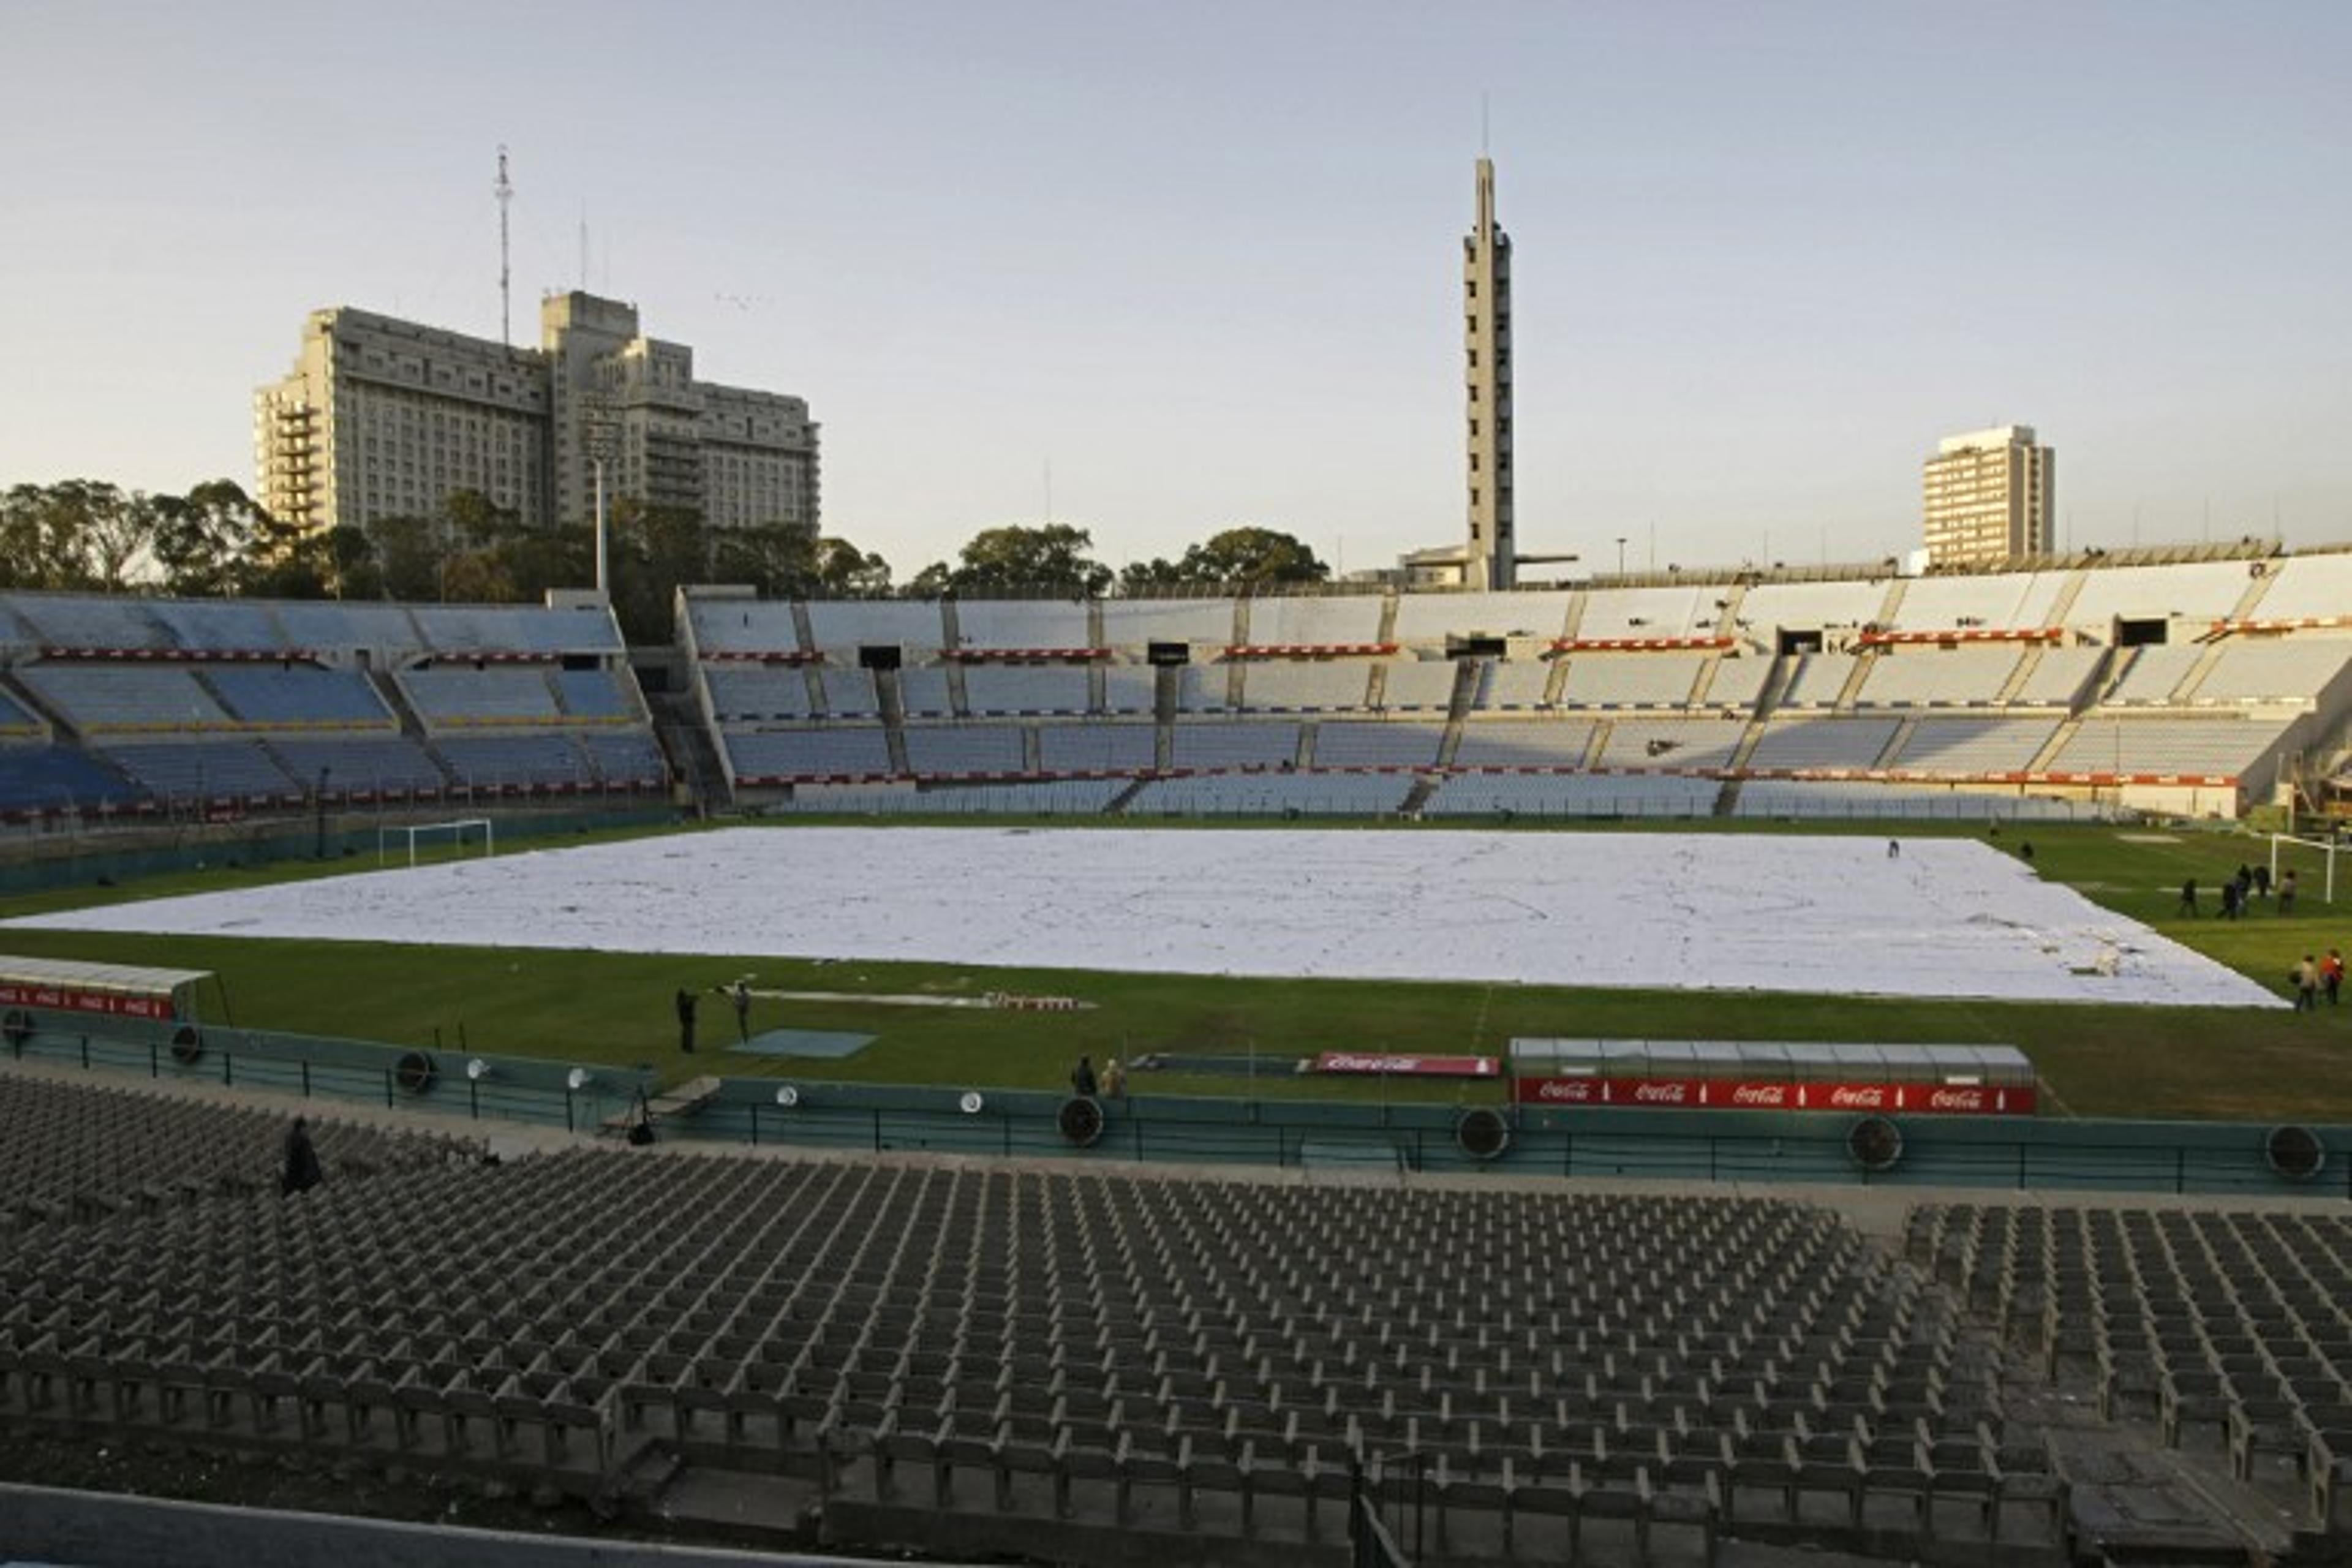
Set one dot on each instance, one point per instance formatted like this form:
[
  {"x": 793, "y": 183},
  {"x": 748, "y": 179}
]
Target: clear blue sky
[{"x": 1205, "y": 259}]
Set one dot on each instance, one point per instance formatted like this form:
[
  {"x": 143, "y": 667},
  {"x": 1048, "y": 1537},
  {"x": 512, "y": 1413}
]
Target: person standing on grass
[
  {"x": 685, "y": 1020},
  {"x": 2189, "y": 898},
  {"x": 2286, "y": 892},
  {"x": 2331, "y": 975},
  {"x": 1082, "y": 1079},
  {"x": 302, "y": 1170},
  {"x": 2306, "y": 984},
  {"x": 2262, "y": 881},
  {"x": 741, "y": 994},
  {"x": 2229, "y": 901}
]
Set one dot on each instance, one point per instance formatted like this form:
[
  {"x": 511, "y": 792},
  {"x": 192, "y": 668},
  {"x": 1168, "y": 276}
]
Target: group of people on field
[{"x": 2239, "y": 892}]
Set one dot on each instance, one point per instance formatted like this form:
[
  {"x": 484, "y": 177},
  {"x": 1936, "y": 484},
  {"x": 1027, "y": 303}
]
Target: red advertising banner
[
  {"x": 1417, "y": 1067},
  {"x": 65, "y": 999},
  {"x": 1739, "y": 1094}
]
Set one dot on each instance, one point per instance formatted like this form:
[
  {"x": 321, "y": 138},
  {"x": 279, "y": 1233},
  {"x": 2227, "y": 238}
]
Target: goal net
[
  {"x": 436, "y": 840},
  {"x": 2305, "y": 857}
]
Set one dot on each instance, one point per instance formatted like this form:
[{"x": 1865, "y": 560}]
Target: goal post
[
  {"x": 2293, "y": 842},
  {"x": 458, "y": 832}
]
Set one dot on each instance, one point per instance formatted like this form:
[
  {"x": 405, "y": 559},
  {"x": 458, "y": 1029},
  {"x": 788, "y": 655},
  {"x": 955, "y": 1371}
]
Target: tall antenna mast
[{"x": 504, "y": 191}]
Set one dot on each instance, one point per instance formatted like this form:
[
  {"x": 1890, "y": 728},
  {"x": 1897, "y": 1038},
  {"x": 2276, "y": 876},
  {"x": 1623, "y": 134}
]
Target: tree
[
  {"x": 82, "y": 535},
  {"x": 208, "y": 541},
  {"x": 1049, "y": 558},
  {"x": 845, "y": 571},
  {"x": 1245, "y": 558},
  {"x": 1136, "y": 576}
]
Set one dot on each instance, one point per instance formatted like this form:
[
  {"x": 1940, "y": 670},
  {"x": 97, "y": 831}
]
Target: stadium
[{"x": 1681, "y": 1068}]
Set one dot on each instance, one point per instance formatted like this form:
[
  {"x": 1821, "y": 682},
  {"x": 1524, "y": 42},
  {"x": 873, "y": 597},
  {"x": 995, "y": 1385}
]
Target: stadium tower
[{"x": 1491, "y": 560}]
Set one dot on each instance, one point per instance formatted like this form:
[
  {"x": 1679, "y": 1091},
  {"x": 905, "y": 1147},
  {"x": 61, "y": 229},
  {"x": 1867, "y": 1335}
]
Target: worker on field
[
  {"x": 1082, "y": 1079},
  {"x": 2189, "y": 898},
  {"x": 741, "y": 994},
  {"x": 685, "y": 1020},
  {"x": 2306, "y": 984}
]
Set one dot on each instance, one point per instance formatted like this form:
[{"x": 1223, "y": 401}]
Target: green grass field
[{"x": 616, "y": 1008}]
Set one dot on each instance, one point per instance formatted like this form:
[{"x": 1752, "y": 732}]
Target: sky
[{"x": 1160, "y": 269}]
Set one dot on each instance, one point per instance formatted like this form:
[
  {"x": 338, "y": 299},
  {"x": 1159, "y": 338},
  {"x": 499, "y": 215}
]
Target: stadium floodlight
[
  {"x": 576, "y": 1080},
  {"x": 787, "y": 1096},
  {"x": 477, "y": 1069},
  {"x": 970, "y": 1102}
]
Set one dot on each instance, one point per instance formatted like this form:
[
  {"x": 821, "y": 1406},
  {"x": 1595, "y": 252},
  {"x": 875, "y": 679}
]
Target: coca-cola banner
[
  {"x": 1737, "y": 1094},
  {"x": 69, "y": 999},
  {"x": 1416, "y": 1066}
]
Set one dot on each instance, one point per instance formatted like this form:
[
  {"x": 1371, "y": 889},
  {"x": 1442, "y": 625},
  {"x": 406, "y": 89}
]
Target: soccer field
[{"x": 1945, "y": 918}]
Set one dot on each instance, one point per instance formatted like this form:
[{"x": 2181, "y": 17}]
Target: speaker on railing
[
  {"x": 2295, "y": 1152},
  {"x": 1482, "y": 1132},
  {"x": 17, "y": 1026},
  {"x": 1081, "y": 1122},
  {"x": 1875, "y": 1143},
  {"x": 414, "y": 1072},
  {"x": 187, "y": 1045}
]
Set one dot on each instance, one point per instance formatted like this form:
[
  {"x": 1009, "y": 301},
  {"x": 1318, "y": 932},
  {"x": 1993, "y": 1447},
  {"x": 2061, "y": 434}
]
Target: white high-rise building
[
  {"x": 1989, "y": 495},
  {"x": 383, "y": 417}
]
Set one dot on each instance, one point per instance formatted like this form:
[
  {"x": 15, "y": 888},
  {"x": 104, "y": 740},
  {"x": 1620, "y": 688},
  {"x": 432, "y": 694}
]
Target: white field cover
[{"x": 1947, "y": 917}]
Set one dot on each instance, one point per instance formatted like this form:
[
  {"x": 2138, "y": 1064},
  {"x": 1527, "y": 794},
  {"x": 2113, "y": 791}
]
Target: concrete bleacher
[
  {"x": 1305, "y": 686},
  {"x": 1963, "y": 746},
  {"x": 96, "y": 697},
  {"x": 1367, "y": 744},
  {"x": 1139, "y": 623},
  {"x": 461, "y": 695},
  {"x": 2307, "y": 588},
  {"x": 1573, "y": 795},
  {"x": 1025, "y": 689},
  {"x": 38, "y": 779},
  {"x": 2059, "y": 677},
  {"x": 1514, "y": 685},
  {"x": 1799, "y": 743},
  {"x": 1848, "y": 605},
  {"x": 2152, "y": 675},
  {"x": 851, "y": 753},
  {"x": 842, "y": 626},
  {"x": 950, "y": 749},
  {"x": 596, "y": 695},
  {"x": 1336, "y": 622},
  {"x": 1272, "y": 795},
  {"x": 460, "y": 630},
  {"x": 2300, "y": 671},
  {"x": 1738, "y": 682},
  {"x": 371, "y": 765},
  {"x": 298, "y": 696},
  {"x": 1201, "y": 689},
  {"x": 757, "y": 692},
  {"x": 89, "y": 622},
  {"x": 334, "y": 627},
  {"x": 82, "y": 1152},
  {"x": 1210, "y": 746},
  {"x": 219, "y": 624},
  {"x": 1820, "y": 678},
  {"x": 849, "y": 693},
  {"x": 1524, "y": 743},
  {"x": 1431, "y": 618},
  {"x": 1963, "y": 601},
  {"x": 1848, "y": 800},
  {"x": 1038, "y": 797},
  {"x": 1131, "y": 688},
  {"x": 1929, "y": 677},
  {"x": 733, "y": 626},
  {"x": 16, "y": 722},
  {"x": 2209, "y": 747},
  {"x": 1097, "y": 748},
  {"x": 2186, "y": 591},
  {"x": 623, "y": 758},
  {"x": 1644, "y": 612},
  {"x": 548, "y": 760},
  {"x": 986, "y": 624},
  {"x": 924, "y": 692},
  {"x": 204, "y": 770},
  {"x": 1418, "y": 686},
  {"x": 1651, "y": 743},
  {"x": 1630, "y": 680}
]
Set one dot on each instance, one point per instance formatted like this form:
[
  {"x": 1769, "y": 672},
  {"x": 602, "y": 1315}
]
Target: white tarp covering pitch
[{"x": 1945, "y": 918}]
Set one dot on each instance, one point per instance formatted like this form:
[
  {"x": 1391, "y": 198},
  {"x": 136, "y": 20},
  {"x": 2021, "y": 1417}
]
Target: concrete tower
[{"x": 1491, "y": 560}]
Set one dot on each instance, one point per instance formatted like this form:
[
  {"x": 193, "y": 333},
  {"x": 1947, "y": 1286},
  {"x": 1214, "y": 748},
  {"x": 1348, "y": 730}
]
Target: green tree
[
  {"x": 1136, "y": 576},
  {"x": 1049, "y": 558},
  {"x": 77, "y": 534},
  {"x": 1245, "y": 558},
  {"x": 845, "y": 571},
  {"x": 206, "y": 541}
]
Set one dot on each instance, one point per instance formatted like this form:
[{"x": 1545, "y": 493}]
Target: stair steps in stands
[
  {"x": 894, "y": 715},
  {"x": 1895, "y": 743},
  {"x": 2021, "y": 674}
]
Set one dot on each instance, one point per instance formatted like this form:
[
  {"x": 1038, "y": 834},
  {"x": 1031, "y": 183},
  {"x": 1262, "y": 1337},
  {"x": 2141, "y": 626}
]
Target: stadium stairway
[{"x": 693, "y": 757}]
